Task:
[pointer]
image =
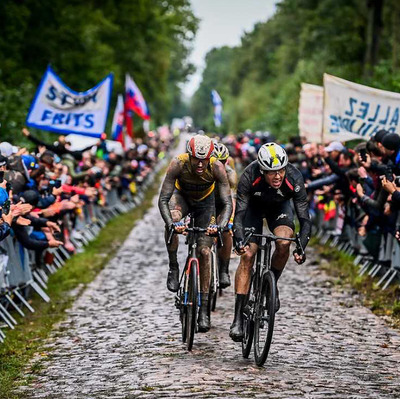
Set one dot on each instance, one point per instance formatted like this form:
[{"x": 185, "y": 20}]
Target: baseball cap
[
  {"x": 335, "y": 146},
  {"x": 30, "y": 162},
  {"x": 6, "y": 149},
  {"x": 378, "y": 137},
  {"x": 29, "y": 197},
  {"x": 391, "y": 141}
]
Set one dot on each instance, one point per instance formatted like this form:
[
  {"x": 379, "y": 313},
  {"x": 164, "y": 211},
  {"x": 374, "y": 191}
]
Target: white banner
[
  {"x": 311, "y": 112},
  {"x": 353, "y": 111},
  {"x": 59, "y": 109}
]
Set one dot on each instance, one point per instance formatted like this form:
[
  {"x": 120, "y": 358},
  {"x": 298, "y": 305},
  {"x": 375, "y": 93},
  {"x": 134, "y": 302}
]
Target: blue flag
[{"x": 217, "y": 102}]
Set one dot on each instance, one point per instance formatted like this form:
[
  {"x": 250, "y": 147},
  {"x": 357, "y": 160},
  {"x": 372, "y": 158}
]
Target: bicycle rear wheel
[
  {"x": 192, "y": 303},
  {"x": 248, "y": 321},
  {"x": 264, "y": 318}
]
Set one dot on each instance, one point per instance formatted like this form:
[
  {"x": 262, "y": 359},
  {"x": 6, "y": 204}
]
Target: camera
[{"x": 384, "y": 170}]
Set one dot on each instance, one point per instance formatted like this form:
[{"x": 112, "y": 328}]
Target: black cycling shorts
[
  {"x": 280, "y": 214},
  {"x": 203, "y": 212}
]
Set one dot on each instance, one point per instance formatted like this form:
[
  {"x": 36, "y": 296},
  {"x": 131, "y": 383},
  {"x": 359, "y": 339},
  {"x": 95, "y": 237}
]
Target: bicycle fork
[{"x": 195, "y": 262}]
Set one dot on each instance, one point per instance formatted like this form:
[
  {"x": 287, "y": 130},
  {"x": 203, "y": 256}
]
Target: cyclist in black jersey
[{"x": 264, "y": 191}]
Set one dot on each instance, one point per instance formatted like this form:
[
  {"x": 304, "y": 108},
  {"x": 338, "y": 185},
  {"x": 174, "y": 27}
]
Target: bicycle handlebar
[
  {"x": 172, "y": 231},
  {"x": 271, "y": 237}
]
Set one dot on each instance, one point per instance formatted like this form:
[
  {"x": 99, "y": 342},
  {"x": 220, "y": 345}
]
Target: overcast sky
[{"x": 222, "y": 24}]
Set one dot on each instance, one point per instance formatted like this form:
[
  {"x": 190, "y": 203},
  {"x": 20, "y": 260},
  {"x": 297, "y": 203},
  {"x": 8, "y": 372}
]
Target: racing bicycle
[
  {"x": 188, "y": 297},
  {"x": 259, "y": 310}
]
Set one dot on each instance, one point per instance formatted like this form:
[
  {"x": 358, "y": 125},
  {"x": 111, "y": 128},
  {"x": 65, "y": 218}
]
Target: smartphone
[
  {"x": 389, "y": 174},
  {"x": 6, "y": 207},
  {"x": 1, "y": 176},
  {"x": 363, "y": 154}
]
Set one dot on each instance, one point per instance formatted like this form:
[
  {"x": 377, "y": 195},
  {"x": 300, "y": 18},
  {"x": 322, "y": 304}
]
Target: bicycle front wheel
[
  {"x": 248, "y": 321},
  {"x": 182, "y": 313},
  {"x": 264, "y": 318},
  {"x": 192, "y": 304}
]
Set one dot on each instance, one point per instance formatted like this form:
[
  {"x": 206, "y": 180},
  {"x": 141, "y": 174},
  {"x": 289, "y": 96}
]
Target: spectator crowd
[
  {"x": 354, "y": 193},
  {"x": 47, "y": 192}
]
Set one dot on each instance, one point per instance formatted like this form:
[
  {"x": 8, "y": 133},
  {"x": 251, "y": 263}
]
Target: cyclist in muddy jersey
[
  {"x": 264, "y": 191},
  {"x": 189, "y": 187},
  {"x": 221, "y": 152}
]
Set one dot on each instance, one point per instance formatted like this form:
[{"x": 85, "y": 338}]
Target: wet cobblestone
[{"x": 122, "y": 339}]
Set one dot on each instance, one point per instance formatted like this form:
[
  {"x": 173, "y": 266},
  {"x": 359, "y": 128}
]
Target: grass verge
[
  {"x": 31, "y": 332},
  {"x": 340, "y": 266}
]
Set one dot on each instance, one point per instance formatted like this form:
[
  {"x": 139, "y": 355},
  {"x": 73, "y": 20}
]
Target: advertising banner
[
  {"x": 311, "y": 112},
  {"x": 353, "y": 111},
  {"x": 59, "y": 109}
]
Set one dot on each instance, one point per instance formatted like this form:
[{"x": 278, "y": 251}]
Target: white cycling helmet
[
  {"x": 272, "y": 156},
  {"x": 220, "y": 151},
  {"x": 200, "y": 147}
]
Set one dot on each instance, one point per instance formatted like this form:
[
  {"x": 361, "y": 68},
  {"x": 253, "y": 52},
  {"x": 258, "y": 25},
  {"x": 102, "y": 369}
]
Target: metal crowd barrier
[
  {"x": 385, "y": 266},
  {"x": 21, "y": 273}
]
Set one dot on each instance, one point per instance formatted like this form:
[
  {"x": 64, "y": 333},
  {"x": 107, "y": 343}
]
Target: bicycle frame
[
  {"x": 263, "y": 259},
  {"x": 191, "y": 241},
  {"x": 189, "y": 291},
  {"x": 264, "y": 251},
  {"x": 257, "y": 312}
]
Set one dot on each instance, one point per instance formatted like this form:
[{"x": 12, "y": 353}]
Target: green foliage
[
  {"x": 259, "y": 81},
  {"x": 84, "y": 41},
  {"x": 217, "y": 75},
  {"x": 341, "y": 267},
  {"x": 396, "y": 309}
]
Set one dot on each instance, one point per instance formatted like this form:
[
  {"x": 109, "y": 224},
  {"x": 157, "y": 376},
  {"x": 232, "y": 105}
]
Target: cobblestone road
[{"x": 122, "y": 339}]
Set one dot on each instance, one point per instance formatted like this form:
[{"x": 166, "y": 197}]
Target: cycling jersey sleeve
[
  {"x": 167, "y": 190},
  {"x": 232, "y": 178},
  {"x": 242, "y": 201},
  {"x": 300, "y": 201}
]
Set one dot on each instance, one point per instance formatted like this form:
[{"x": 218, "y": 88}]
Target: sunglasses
[{"x": 280, "y": 172}]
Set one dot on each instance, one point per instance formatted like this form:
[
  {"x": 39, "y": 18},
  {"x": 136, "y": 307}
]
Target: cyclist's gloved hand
[
  {"x": 179, "y": 227},
  {"x": 240, "y": 249},
  {"x": 212, "y": 229},
  {"x": 299, "y": 256}
]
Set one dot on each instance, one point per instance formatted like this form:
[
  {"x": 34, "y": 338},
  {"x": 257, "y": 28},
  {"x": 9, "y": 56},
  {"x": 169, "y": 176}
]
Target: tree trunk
[
  {"x": 395, "y": 35},
  {"x": 374, "y": 30}
]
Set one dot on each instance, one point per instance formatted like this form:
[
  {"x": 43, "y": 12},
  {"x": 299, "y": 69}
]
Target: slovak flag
[
  {"x": 134, "y": 100},
  {"x": 217, "y": 102},
  {"x": 118, "y": 120}
]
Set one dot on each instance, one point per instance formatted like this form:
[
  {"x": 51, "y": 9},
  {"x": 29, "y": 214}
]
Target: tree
[{"x": 84, "y": 41}]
